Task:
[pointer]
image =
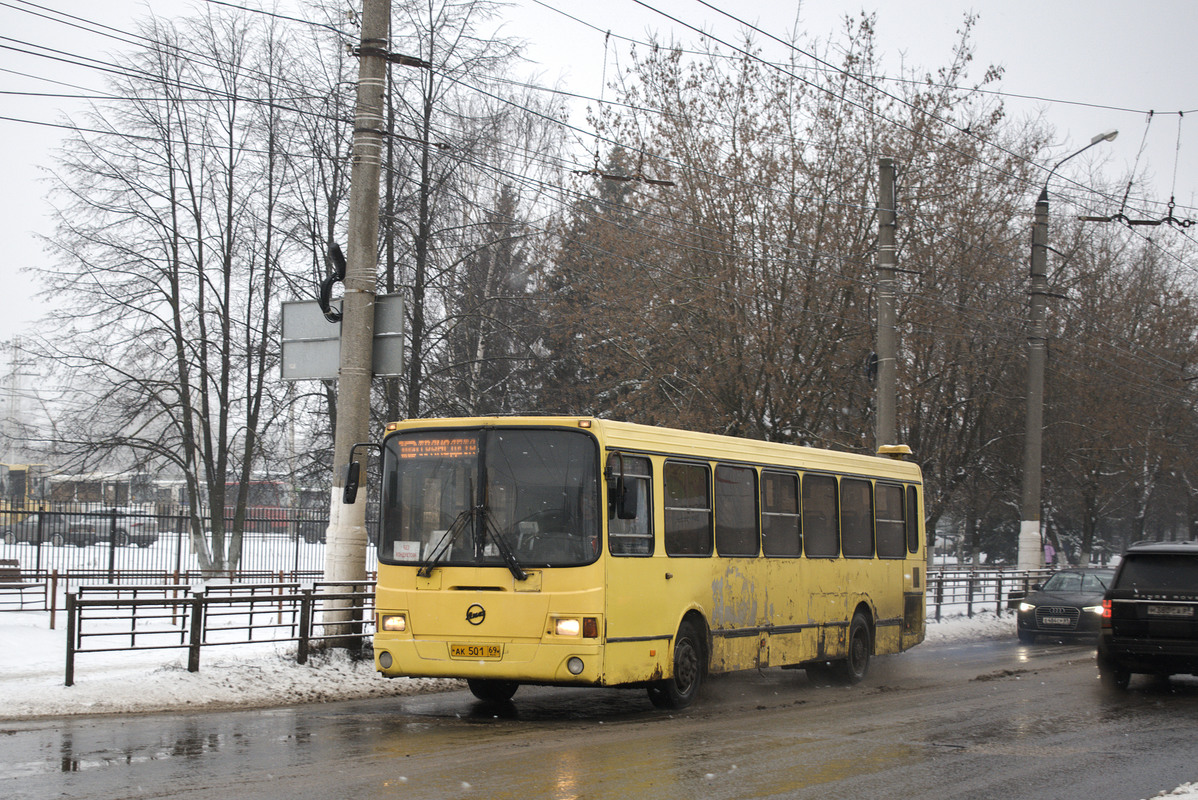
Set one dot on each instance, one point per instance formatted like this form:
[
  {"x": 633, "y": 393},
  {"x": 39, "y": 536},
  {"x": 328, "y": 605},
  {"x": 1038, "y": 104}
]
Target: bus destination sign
[{"x": 439, "y": 447}]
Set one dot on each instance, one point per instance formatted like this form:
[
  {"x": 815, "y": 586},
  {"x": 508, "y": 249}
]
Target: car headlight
[
  {"x": 1093, "y": 610},
  {"x": 1027, "y": 607}
]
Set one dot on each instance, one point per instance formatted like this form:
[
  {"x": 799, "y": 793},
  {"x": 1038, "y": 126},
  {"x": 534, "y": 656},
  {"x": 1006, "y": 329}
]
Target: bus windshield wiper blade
[
  {"x": 505, "y": 550},
  {"x": 451, "y": 535}
]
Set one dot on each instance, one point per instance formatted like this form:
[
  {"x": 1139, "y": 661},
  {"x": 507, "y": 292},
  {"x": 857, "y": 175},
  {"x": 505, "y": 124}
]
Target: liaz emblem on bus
[{"x": 442, "y": 447}]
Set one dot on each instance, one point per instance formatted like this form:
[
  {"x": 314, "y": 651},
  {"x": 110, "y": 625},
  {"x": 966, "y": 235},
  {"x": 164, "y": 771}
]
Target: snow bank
[{"x": 33, "y": 660}]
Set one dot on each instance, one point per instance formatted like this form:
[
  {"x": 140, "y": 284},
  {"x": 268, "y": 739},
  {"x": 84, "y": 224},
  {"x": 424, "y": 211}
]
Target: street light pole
[{"x": 1031, "y": 553}]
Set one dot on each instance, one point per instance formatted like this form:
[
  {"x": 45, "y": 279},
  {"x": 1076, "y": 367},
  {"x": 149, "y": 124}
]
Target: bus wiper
[
  {"x": 505, "y": 550},
  {"x": 447, "y": 541}
]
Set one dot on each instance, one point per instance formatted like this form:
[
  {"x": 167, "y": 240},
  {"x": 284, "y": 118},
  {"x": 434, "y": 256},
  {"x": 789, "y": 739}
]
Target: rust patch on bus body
[{"x": 734, "y": 600}]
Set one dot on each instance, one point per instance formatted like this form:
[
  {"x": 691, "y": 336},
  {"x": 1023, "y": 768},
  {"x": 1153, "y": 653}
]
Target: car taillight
[{"x": 1106, "y": 609}]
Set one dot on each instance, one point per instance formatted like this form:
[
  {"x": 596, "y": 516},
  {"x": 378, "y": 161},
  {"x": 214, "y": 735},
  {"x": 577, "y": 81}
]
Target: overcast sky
[{"x": 1084, "y": 67}]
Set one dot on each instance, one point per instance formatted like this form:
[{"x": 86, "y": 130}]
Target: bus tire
[
  {"x": 492, "y": 691},
  {"x": 690, "y": 665},
  {"x": 855, "y": 666},
  {"x": 58, "y": 540}
]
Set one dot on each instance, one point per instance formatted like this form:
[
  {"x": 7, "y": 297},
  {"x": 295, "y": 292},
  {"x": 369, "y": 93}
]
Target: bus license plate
[
  {"x": 1062, "y": 621},
  {"x": 477, "y": 652},
  {"x": 1170, "y": 611}
]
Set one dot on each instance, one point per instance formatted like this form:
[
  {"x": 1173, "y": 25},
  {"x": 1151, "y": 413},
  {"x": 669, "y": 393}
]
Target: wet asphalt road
[{"x": 981, "y": 720}]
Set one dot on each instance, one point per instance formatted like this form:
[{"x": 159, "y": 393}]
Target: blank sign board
[{"x": 312, "y": 344}]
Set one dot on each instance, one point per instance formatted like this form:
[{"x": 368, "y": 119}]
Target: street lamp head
[{"x": 1108, "y": 136}]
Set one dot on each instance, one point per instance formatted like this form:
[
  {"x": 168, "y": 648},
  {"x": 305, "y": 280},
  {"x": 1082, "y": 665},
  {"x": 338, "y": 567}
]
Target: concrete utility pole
[
  {"x": 345, "y": 553},
  {"x": 1031, "y": 554},
  {"x": 886, "y": 427}
]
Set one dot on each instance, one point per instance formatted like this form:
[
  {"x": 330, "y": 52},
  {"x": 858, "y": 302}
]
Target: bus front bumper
[{"x": 573, "y": 662}]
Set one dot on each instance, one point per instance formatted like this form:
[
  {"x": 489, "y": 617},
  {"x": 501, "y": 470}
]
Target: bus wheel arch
[{"x": 691, "y": 656}]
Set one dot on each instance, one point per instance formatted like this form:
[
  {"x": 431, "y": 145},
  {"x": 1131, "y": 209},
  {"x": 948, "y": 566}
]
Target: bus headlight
[
  {"x": 567, "y": 626},
  {"x": 395, "y": 623}
]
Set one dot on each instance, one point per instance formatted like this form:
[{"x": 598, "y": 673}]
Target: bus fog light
[
  {"x": 385, "y": 660},
  {"x": 574, "y": 665}
]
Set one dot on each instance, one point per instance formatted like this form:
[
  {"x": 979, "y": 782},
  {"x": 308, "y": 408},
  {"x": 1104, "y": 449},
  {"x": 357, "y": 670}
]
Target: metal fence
[
  {"x": 114, "y": 618},
  {"x": 956, "y": 592},
  {"x": 950, "y": 592},
  {"x": 120, "y": 540},
  {"x": 152, "y": 610}
]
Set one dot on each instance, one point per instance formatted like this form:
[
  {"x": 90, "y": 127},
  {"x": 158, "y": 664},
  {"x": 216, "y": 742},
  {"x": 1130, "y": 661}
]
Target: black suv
[{"x": 1150, "y": 614}]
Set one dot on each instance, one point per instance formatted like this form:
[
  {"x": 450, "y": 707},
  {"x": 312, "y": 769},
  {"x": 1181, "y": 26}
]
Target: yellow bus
[
  {"x": 587, "y": 552},
  {"x": 24, "y": 485}
]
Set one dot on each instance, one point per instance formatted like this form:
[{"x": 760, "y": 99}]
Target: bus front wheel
[
  {"x": 690, "y": 665},
  {"x": 492, "y": 691}
]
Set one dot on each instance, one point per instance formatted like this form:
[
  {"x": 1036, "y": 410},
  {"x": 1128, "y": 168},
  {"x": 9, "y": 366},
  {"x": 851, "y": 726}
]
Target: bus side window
[
  {"x": 913, "y": 526},
  {"x": 688, "y": 509},
  {"x": 736, "y": 516},
  {"x": 892, "y": 534},
  {"x": 856, "y": 518},
  {"x": 820, "y": 517},
  {"x": 632, "y": 537},
  {"x": 781, "y": 532}
]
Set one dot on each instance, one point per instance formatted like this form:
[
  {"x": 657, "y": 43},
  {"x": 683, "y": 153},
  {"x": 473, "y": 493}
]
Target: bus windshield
[{"x": 495, "y": 497}]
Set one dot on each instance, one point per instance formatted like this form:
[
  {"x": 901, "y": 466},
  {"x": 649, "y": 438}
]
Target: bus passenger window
[
  {"x": 688, "y": 509},
  {"x": 892, "y": 535},
  {"x": 856, "y": 518},
  {"x": 820, "y": 517},
  {"x": 736, "y": 511},
  {"x": 781, "y": 534},
  {"x": 632, "y": 537}
]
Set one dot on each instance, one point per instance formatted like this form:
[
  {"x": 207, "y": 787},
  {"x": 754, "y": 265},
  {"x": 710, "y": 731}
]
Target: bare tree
[{"x": 169, "y": 253}]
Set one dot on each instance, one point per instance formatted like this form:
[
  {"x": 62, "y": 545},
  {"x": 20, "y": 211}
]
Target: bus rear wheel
[
  {"x": 492, "y": 691},
  {"x": 860, "y": 646},
  {"x": 690, "y": 664}
]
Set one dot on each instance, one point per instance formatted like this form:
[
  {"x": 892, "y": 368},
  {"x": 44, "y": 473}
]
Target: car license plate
[
  {"x": 477, "y": 652},
  {"x": 1171, "y": 611},
  {"x": 1061, "y": 621}
]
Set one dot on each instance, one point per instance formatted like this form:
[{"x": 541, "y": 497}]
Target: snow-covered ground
[{"x": 32, "y": 659}]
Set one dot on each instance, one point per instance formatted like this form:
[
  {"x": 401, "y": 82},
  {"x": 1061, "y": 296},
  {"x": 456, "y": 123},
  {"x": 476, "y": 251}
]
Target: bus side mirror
[
  {"x": 353, "y": 476},
  {"x": 628, "y": 495}
]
